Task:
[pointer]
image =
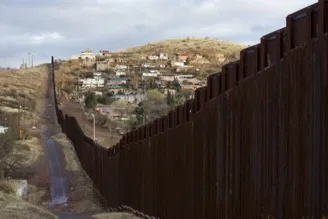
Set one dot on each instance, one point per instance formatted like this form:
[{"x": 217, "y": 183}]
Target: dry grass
[
  {"x": 6, "y": 187},
  {"x": 12, "y": 207},
  {"x": 202, "y": 46},
  {"x": 22, "y": 82}
]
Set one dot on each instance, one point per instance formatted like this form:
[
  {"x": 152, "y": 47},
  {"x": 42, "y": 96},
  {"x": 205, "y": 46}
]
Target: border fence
[{"x": 251, "y": 144}]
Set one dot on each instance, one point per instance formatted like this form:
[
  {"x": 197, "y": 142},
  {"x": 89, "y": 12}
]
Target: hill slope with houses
[{"x": 118, "y": 85}]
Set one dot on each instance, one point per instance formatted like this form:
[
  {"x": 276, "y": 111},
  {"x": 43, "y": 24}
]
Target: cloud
[
  {"x": 65, "y": 27},
  {"x": 45, "y": 37}
]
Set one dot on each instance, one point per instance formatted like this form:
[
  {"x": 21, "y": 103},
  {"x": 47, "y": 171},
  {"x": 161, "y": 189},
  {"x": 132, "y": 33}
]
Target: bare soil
[{"x": 103, "y": 135}]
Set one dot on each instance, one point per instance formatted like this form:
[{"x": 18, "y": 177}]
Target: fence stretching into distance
[{"x": 251, "y": 144}]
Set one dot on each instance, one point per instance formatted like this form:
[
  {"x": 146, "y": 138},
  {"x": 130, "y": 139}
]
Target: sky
[{"x": 65, "y": 27}]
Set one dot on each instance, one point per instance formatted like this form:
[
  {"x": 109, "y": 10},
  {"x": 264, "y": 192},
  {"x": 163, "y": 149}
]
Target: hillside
[
  {"x": 206, "y": 56},
  {"x": 208, "y": 47}
]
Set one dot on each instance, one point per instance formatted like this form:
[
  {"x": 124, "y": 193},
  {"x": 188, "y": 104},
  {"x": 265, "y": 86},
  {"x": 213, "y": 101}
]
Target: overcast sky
[{"x": 65, "y": 27}]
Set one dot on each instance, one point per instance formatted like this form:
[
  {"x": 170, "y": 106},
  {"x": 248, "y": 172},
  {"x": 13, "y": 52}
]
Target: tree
[
  {"x": 169, "y": 98},
  {"x": 176, "y": 85},
  {"x": 90, "y": 100},
  {"x": 152, "y": 107},
  {"x": 106, "y": 99}
]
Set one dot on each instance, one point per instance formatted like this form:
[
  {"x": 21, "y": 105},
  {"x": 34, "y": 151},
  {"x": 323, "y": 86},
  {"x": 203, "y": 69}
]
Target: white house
[
  {"x": 184, "y": 77},
  {"x": 177, "y": 64},
  {"x": 98, "y": 93},
  {"x": 153, "y": 57},
  {"x": 150, "y": 74},
  {"x": 3, "y": 129},
  {"x": 154, "y": 71},
  {"x": 97, "y": 75},
  {"x": 146, "y": 65},
  {"x": 163, "y": 55},
  {"x": 120, "y": 72},
  {"x": 92, "y": 82},
  {"x": 121, "y": 67},
  {"x": 168, "y": 77},
  {"x": 87, "y": 54}
]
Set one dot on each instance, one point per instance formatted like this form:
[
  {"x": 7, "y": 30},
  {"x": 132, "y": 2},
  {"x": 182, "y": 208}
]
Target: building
[
  {"x": 92, "y": 82},
  {"x": 177, "y": 64},
  {"x": 150, "y": 74},
  {"x": 104, "y": 53},
  {"x": 3, "y": 129},
  {"x": 103, "y": 65},
  {"x": 87, "y": 54},
  {"x": 183, "y": 58},
  {"x": 97, "y": 75},
  {"x": 167, "y": 77},
  {"x": 184, "y": 77},
  {"x": 88, "y": 62},
  {"x": 98, "y": 93},
  {"x": 163, "y": 55},
  {"x": 120, "y": 72},
  {"x": 122, "y": 67},
  {"x": 153, "y": 57},
  {"x": 130, "y": 98}
]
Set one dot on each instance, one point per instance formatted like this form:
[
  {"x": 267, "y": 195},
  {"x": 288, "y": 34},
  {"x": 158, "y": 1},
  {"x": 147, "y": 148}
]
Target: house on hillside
[
  {"x": 150, "y": 74},
  {"x": 102, "y": 65},
  {"x": 148, "y": 65},
  {"x": 163, "y": 55},
  {"x": 87, "y": 54},
  {"x": 88, "y": 62},
  {"x": 184, "y": 77},
  {"x": 92, "y": 82},
  {"x": 183, "y": 58},
  {"x": 3, "y": 129},
  {"x": 121, "y": 67},
  {"x": 120, "y": 72},
  {"x": 130, "y": 98},
  {"x": 97, "y": 75},
  {"x": 167, "y": 77},
  {"x": 104, "y": 53},
  {"x": 177, "y": 63},
  {"x": 153, "y": 57}
]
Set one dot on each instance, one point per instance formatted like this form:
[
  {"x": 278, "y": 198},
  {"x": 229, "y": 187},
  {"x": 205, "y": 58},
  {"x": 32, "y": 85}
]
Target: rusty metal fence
[{"x": 252, "y": 144}]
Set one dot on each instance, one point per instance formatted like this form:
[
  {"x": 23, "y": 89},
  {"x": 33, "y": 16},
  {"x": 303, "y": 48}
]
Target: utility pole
[
  {"x": 94, "y": 127},
  {"x": 28, "y": 60}
]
